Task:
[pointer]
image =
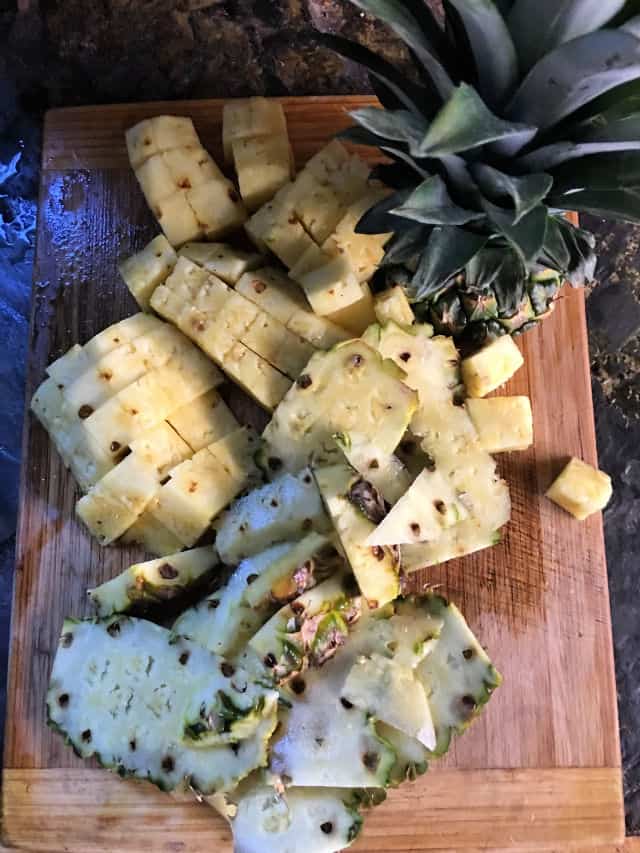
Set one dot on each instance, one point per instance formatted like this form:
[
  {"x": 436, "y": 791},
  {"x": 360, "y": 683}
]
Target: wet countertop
[{"x": 66, "y": 52}]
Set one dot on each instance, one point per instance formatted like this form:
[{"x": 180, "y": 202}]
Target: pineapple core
[{"x": 581, "y": 489}]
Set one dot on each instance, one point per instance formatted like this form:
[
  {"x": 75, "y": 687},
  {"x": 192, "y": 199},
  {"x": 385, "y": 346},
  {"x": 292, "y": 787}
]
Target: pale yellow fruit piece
[
  {"x": 191, "y": 167},
  {"x": 237, "y": 315},
  {"x": 217, "y": 207},
  {"x": 68, "y": 367},
  {"x": 147, "y": 269},
  {"x": 502, "y": 423},
  {"x": 363, "y": 251},
  {"x": 173, "y": 132},
  {"x": 236, "y": 452},
  {"x": 250, "y": 117},
  {"x": 312, "y": 259},
  {"x": 319, "y": 206},
  {"x": 153, "y": 536},
  {"x": 155, "y": 179},
  {"x": 140, "y": 143},
  {"x": 179, "y": 289},
  {"x": 275, "y": 212},
  {"x": 347, "y": 173},
  {"x": 263, "y": 166},
  {"x": 226, "y": 262},
  {"x": 288, "y": 241},
  {"x": 393, "y": 306},
  {"x": 491, "y": 367},
  {"x": 274, "y": 342},
  {"x": 332, "y": 287},
  {"x": 177, "y": 219},
  {"x": 320, "y": 332},
  {"x": 161, "y": 448},
  {"x": 358, "y": 316},
  {"x": 119, "y": 333},
  {"x": 259, "y": 379},
  {"x": 581, "y": 489},
  {"x": 203, "y": 421}
]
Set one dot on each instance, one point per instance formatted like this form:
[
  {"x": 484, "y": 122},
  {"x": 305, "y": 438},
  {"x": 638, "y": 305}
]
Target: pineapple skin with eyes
[
  {"x": 581, "y": 489},
  {"x": 491, "y": 367}
]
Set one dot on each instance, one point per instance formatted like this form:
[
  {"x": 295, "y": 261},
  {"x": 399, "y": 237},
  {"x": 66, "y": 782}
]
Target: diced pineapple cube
[
  {"x": 320, "y": 332},
  {"x": 581, "y": 489},
  {"x": 161, "y": 448},
  {"x": 173, "y": 132},
  {"x": 363, "y": 251},
  {"x": 358, "y": 316},
  {"x": 250, "y": 117},
  {"x": 217, "y": 207},
  {"x": 179, "y": 289},
  {"x": 140, "y": 143},
  {"x": 393, "y": 306},
  {"x": 312, "y": 259},
  {"x": 491, "y": 367},
  {"x": 155, "y": 179},
  {"x": 147, "y": 269},
  {"x": 332, "y": 287},
  {"x": 288, "y": 241},
  {"x": 227, "y": 262},
  {"x": 68, "y": 367},
  {"x": 319, "y": 206},
  {"x": 263, "y": 382},
  {"x": 119, "y": 333},
  {"x": 237, "y": 315},
  {"x": 203, "y": 421},
  {"x": 273, "y": 341},
  {"x": 191, "y": 167},
  {"x": 502, "y": 423},
  {"x": 263, "y": 165},
  {"x": 236, "y": 452},
  {"x": 153, "y": 536},
  {"x": 178, "y": 219}
]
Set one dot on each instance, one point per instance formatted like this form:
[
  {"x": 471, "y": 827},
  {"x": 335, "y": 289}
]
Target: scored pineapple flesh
[
  {"x": 393, "y": 306},
  {"x": 384, "y": 471},
  {"x": 151, "y": 535},
  {"x": 120, "y": 333},
  {"x": 217, "y": 207},
  {"x": 355, "y": 318},
  {"x": 64, "y": 370},
  {"x": 363, "y": 251},
  {"x": 249, "y": 118},
  {"x": 203, "y": 421},
  {"x": 502, "y": 423},
  {"x": 491, "y": 367},
  {"x": 225, "y": 262},
  {"x": 581, "y": 489},
  {"x": 147, "y": 269},
  {"x": 263, "y": 166},
  {"x": 331, "y": 287},
  {"x": 159, "y": 134},
  {"x": 271, "y": 340}
]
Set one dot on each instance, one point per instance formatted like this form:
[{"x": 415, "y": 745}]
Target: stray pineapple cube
[
  {"x": 250, "y": 117},
  {"x": 393, "y": 306},
  {"x": 147, "y": 269},
  {"x": 502, "y": 423},
  {"x": 217, "y": 207},
  {"x": 263, "y": 165},
  {"x": 358, "y": 316},
  {"x": 191, "y": 167},
  {"x": 177, "y": 219},
  {"x": 203, "y": 421},
  {"x": 226, "y": 262},
  {"x": 332, "y": 287},
  {"x": 491, "y": 367},
  {"x": 581, "y": 489}
]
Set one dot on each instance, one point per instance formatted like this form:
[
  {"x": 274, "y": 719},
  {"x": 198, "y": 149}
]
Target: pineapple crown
[{"x": 518, "y": 111}]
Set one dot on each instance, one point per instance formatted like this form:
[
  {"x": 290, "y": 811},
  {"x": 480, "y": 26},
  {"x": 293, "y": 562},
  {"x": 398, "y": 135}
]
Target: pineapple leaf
[
  {"x": 465, "y": 122},
  {"x": 629, "y": 10},
  {"x": 632, "y": 26},
  {"x": 379, "y": 220},
  {"x": 400, "y": 125},
  {"x": 396, "y": 14},
  {"x": 362, "y": 136},
  {"x": 431, "y": 203},
  {"x": 574, "y": 74},
  {"x": 608, "y": 203},
  {"x": 525, "y": 192},
  {"x": 448, "y": 251},
  {"x": 555, "y": 252},
  {"x": 554, "y": 155},
  {"x": 598, "y": 172},
  {"x": 527, "y": 235},
  {"x": 403, "y": 247},
  {"x": 581, "y": 245},
  {"x": 485, "y": 28},
  {"x": 504, "y": 6},
  {"x": 538, "y": 26}
]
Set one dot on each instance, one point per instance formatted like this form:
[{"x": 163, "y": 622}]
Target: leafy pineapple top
[{"x": 519, "y": 110}]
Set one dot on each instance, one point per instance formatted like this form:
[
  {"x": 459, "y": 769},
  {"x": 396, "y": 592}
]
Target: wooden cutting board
[{"x": 540, "y": 770}]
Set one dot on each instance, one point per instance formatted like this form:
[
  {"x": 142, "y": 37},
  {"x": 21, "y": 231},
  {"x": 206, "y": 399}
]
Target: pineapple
[
  {"x": 120, "y": 333},
  {"x": 217, "y": 208},
  {"x": 375, "y": 567},
  {"x": 312, "y": 259},
  {"x": 177, "y": 219},
  {"x": 384, "y": 471},
  {"x": 191, "y": 167},
  {"x": 269, "y": 339},
  {"x": 393, "y": 306},
  {"x": 162, "y": 448},
  {"x": 151, "y": 535},
  {"x": 278, "y": 296},
  {"x": 502, "y": 423},
  {"x": 364, "y": 252},
  {"x": 349, "y": 388},
  {"x": 154, "y": 582},
  {"x": 120, "y": 689},
  {"x": 412, "y": 759},
  {"x": 581, "y": 489},
  {"x": 256, "y": 376},
  {"x": 355, "y": 318},
  {"x": 331, "y": 287},
  {"x": 203, "y": 421},
  {"x": 159, "y": 134},
  {"x": 318, "y": 205},
  {"x": 147, "y": 269},
  {"x": 250, "y": 118},
  {"x": 263, "y": 165},
  {"x": 280, "y": 510},
  {"x": 225, "y": 262},
  {"x": 491, "y": 367},
  {"x": 64, "y": 370}
]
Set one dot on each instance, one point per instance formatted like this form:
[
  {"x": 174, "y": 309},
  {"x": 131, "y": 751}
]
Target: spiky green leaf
[
  {"x": 398, "y": 125},
  {"x": 497, "y": 69},
  {"x": 581, "y": 245},
  {"x": 431, "y": 204},
  {"x": 448, "y": 251},
  {"x": 379, "y": 220},
  {"x": 527, "y": 236},
  {"x": 554, "y": 155},
  {"x": 555, "y": 252},
  {"x": 525, "y": 192},
  {"x": 598, "y": 172},
  {"x": 574, "y": 74},
  {"x": 403, "y": 247},
  {"x": 610, "y": 204},
  {"x": 464, "y": 123},
  {"x": 539, "y": 26}
]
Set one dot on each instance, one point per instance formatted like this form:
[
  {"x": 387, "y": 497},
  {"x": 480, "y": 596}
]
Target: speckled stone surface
[{"x": 65, "y": 52}]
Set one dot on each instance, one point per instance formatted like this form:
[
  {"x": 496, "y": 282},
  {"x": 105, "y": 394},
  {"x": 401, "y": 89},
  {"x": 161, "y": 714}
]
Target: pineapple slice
[
  {"x": 319, "y": 206},
  {"x": 263, "y": 166},
  {"x": 268, "y": 338},
  {"x": 363, "y": 251},
  {"x": 393, "y": 306},
  {"x": 161, "y": 447},
  {"x": 191, "y": 167},
  {"x": 256, "y": 376},
  {"x": 217, "y": 208},
  {"x": 154, "y": 537},
  {"x": 162, "y": 133},
  {"x": 349, "y": 388},
  {"x": 375, "y": 568},
  {"x": 154, "y": 582},
  {"x": 120, "y": 333},
  {"x": 491, "y": 367},
  {"x": 178, "y": 219},
  {"x": 581, "y": 489},
  {"x": 226, "y": 262},
  {"x": 236, "y": 451},
  {"x": 331, "y": 287},
  {"x": 312, "y": 259},
  {"x": 248, "y": 118},
  {"x": 64, "y": 370},
  {"x": 147, "y": 269},
  {"x": 384, "y": 471},
  {"x": 502, "y": 423},
  {"x": 356, "y": 317},
  {"x": 347, "y": 173},
  {"x": 203, "y": 421}
]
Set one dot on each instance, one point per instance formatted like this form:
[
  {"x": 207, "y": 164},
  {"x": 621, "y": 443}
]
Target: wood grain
[{"x": 538, "y": 601}]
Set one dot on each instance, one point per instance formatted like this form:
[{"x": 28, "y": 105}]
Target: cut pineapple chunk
[
  {"x": 502, "y": 423},
  {"x": 319, "y": 206},
  {"x": 581, "y": 489},
  {"x": 347, "y": 173},
  {"x": 248, "y": 118},
  {"x": 288, "y": 241},
  {"x": 358, "y": 316},
  {"x": 140, "y": 143},
  {"x": 203, "y": 421},
  {"x": 332, "y": 287},
  {"x": 263, "y": 166},
  {"x": 64, "y": 370},
  {"x": 226, "y": 262},
  {"x": 156, "y": 181},
  {"x": 393, "y": 306},
  {"x": 147, "y": 269},
  {"x": 161, "y": 447},
  {"x": 161, "y": 133},
  {"x": 217, "y": 207},
  {"x": 120, "y": 333},
  {"x": 177, "y": 219},
  {"x": 271, "y": 340},
  {"x": 312, "y": 259},
  {"x": 191, "y": 166},
  {"x": 275, "y": 212},
  {"x": 491, "y": 367},
  {"x": 152, "y": 536},
  {"x": 256, "y": 376},
  {"x": 363, "y": 251}
]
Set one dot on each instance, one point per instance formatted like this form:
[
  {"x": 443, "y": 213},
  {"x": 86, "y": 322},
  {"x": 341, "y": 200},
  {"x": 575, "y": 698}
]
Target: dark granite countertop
[{"x": 65, "y": 52}]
